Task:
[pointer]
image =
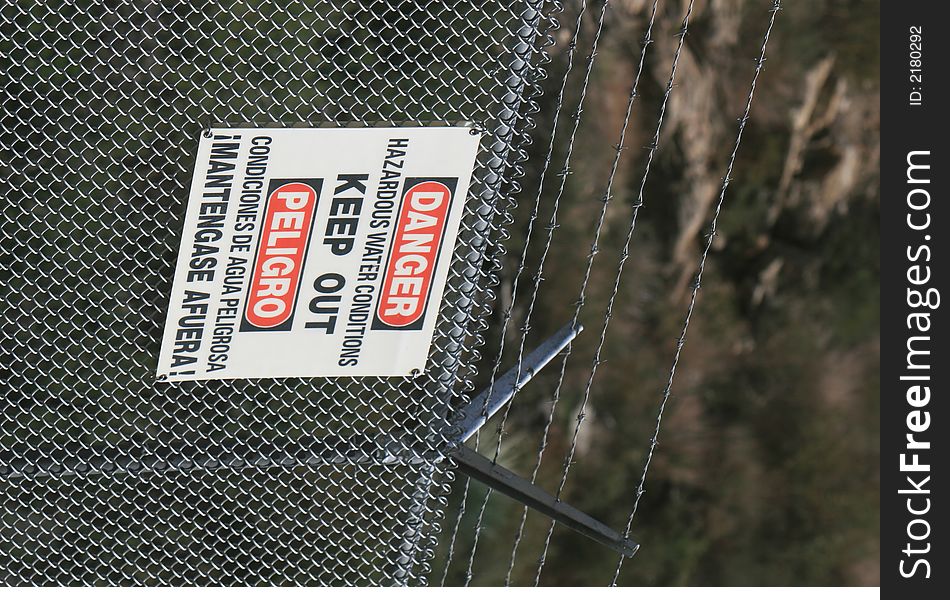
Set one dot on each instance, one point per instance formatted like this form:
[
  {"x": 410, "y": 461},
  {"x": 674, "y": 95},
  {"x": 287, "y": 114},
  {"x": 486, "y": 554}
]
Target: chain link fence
[{"x": 111, "y": 478}]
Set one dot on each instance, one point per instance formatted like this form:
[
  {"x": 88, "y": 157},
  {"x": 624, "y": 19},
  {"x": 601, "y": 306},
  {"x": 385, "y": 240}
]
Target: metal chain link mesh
[{"x": 111, "y": 478}]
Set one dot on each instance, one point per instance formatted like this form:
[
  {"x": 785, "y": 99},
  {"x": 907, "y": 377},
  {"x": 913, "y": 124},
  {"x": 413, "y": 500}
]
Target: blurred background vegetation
[{"x": 767, "y": 469}]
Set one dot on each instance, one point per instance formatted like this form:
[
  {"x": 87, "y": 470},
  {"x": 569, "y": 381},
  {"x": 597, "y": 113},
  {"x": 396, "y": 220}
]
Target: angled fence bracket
[
  {"x": 486, "y": 404},
  {"x": 478, "y": 467}
]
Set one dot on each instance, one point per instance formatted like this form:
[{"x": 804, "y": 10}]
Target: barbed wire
[
  {"x": 539, "y": 74},
  {"x": 652, "y": 148},
  {"x": 681, "y": 340},
  {"x": 552, "y": 225},
  {"x": 647, "y": 40}
]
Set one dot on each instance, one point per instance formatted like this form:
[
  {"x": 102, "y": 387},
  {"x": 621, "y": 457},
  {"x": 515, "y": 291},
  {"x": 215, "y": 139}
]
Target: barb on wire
[
  {"x": 654, "y": 145},
  {"x": 681, "y": 340},
  {"x": 618, "y": 151},
  {"x": 455, "y": 530}
]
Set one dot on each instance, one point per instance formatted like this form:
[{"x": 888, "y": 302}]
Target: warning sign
[{"x": 315, "y": 252}]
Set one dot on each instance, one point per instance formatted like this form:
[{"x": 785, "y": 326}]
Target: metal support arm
[
  {"x": 473, "y": 464},
  {"x": 502, "y": 480}
]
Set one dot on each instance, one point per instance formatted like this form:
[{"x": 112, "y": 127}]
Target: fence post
[{"x": 462, "y": 300}]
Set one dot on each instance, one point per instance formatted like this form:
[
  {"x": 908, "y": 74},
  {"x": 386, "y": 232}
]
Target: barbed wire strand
[
  {"x": 455, "y": 529},
  {"x": 514, "y": 293},
  {"x": 652, "y": 148},
  {"x": 681, "y": 341},
  {"x": 619, "y": 148},
  {"x": 552, "y": 225},
  {"x": 537, "y": 75}
]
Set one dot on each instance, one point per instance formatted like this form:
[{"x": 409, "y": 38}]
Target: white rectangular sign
[{"x": 315, "y": 252}]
